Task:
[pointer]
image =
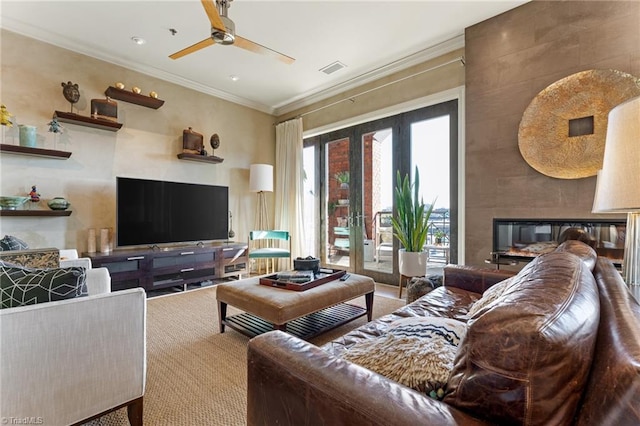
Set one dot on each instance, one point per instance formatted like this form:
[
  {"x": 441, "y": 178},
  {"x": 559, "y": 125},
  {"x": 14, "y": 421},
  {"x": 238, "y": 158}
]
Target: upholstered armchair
[{"x": 69, "y": 361}]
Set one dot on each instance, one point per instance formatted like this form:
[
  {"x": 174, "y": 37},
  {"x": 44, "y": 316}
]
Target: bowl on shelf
[
  {"x": 11, "y": 203},
  {"x": 58, "y": 203}
]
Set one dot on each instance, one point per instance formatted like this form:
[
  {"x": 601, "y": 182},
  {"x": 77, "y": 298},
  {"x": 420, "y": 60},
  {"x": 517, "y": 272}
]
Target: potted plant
[
  {"x": 331, "y": 207},
  {"x": 410, "y": 226},
  {"x": 439, "y": 236},
  {"x": 343, "y": 179}
]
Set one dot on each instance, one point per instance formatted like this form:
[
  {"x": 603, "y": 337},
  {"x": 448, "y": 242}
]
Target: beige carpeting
[{"x": 195, "y": 375}]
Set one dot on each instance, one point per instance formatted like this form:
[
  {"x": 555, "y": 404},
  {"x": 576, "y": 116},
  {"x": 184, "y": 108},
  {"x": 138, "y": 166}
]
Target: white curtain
[{"x": 289, "y": 183}]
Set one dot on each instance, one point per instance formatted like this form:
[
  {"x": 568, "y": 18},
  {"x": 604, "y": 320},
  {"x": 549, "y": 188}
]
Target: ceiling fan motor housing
[{"x": 225, "y": 37}]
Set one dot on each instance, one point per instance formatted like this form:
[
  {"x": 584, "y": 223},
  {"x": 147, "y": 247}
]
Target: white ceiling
[{"x": 370, "y": 37}]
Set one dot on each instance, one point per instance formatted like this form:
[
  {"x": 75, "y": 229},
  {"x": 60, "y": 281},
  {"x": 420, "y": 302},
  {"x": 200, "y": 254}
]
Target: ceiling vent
[{"x": 331, "y": 68}]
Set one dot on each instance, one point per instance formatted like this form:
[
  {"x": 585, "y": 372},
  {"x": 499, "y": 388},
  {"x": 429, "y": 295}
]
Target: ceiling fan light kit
[{"x": 223, "y": 31}]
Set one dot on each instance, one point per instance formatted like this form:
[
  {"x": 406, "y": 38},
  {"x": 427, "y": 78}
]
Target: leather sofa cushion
[
  {"x": 443, "y": 302},
  {"x": 612, "y": 396},
  {"x": 525, "y": 359},
  {"x": 587, "y": 255}
]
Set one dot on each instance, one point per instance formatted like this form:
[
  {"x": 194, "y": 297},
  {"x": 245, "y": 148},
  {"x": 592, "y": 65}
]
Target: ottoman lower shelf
[{"x": 305, "y": 327}]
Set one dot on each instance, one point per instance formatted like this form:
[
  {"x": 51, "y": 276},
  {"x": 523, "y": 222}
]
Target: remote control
[{"x": 344, "y": 277}]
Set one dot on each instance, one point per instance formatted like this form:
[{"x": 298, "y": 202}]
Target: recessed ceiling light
[
  {"x": 234, "y": 77},
  {"x": 138, "y": 40}
]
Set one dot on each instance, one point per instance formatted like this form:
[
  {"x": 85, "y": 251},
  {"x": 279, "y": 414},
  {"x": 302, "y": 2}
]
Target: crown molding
[
  {"x": 58, "y": 40},
  {"x": 300, "y": 101},
  {"x": 319, "y": 94}
]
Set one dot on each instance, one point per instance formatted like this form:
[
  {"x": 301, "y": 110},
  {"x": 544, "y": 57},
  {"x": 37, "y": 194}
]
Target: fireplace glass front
[{"x": 524, "y": 239}]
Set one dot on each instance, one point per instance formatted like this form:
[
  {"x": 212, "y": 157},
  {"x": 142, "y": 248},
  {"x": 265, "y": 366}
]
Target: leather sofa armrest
[
  {"x": 292, "y": 382},
  {"x": 472, "y": 278}
]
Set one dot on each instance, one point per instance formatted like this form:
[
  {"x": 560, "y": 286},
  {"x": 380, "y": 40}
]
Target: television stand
[{"x": 154, "y": 269}]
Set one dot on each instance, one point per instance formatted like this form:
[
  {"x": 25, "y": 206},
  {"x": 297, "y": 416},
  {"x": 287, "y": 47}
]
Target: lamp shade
[
  {"x": 618, "y": 186},
  {"x": 261, "y": 178}
]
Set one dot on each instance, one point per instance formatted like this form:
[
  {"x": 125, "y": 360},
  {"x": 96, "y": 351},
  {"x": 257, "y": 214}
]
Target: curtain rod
[{"x": 353, "y": 98}]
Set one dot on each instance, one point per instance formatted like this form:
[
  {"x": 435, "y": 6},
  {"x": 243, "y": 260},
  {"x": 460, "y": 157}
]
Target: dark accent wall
[{"x": 509, "y": 59}]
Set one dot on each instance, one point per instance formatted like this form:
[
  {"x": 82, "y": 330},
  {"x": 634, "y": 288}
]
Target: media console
[{"x": 153, "y": 269}]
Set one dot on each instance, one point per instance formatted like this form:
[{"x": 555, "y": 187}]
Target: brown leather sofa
[{"x": 560, "y": 345}]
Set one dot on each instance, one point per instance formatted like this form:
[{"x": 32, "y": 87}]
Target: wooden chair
[{"x": 266, "y": 245}]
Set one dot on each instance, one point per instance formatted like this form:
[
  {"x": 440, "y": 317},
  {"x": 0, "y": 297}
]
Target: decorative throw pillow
[
  {"x": 26, "y": 286},
  {"x": 490, "y": 295},
  {"x": 12, "y": 243},
  {"x": 416, "y": 352}
]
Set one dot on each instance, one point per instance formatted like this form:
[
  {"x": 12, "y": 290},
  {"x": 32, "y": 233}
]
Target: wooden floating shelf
[
  {"x": 37, "y": 152},
  {"x": 48, "y": 213},
  {"x": 133, "y": 98},
  {"x": 201, "y": 158},
  {"x": 81, "y": 120}
]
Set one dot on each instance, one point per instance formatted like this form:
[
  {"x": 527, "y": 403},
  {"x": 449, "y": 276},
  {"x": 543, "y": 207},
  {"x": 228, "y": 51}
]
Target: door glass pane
[
  {"x": 310, "y": 204},
  {"x": 337, "y": 208},
  {"x": 377, "y": 181},
  {"x": 430, "y": 152}
]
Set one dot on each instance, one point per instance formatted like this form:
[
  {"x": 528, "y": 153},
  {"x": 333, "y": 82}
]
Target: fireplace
[{"x": 521, "y": 240}]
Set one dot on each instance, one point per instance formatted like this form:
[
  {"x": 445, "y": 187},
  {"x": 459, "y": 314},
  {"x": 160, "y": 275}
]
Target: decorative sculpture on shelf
[
  {"x": 55, "y": 126},
  {"x": 232, "y": 233},
  {"x": 215, "y": 143},
  {"x": 35, "y": 197},
  {"x": 5, "y": 119},
  {"x": 71, "y": 92},
  {"x": 5, "y": 116}
]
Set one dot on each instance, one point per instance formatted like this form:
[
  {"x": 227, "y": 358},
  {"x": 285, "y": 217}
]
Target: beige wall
[
  {"x": 510, "y": 58},
  {"x": 410, "y": 88},
  {"x": 145, "y": 147}
]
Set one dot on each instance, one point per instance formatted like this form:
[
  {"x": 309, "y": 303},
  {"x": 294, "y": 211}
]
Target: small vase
[
  {"x": 91, "y": 241},
  {"x": 58, "y": 203},
  {"x": 104, "y": 241},
  {"x": 27, "y": 136}
]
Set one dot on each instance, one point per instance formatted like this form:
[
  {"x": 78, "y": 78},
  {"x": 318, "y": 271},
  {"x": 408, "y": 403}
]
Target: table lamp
[
  {"x": 618, "y": 185},
  {"x": 261, "y": 181}
]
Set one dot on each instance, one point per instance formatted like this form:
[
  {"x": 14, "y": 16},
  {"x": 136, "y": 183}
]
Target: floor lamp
[
  {"x": 618, "y": 187},
  {"x": 261, "y": 181}
]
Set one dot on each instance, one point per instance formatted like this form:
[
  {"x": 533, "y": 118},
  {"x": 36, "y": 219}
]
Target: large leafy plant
[{"x": 411, "y": 222}]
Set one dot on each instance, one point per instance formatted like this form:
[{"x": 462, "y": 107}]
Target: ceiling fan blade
[
  {"x": 212, "y": 13},
  {"x": 193, "y": 48},
  {"x": 258, "y": 48}
]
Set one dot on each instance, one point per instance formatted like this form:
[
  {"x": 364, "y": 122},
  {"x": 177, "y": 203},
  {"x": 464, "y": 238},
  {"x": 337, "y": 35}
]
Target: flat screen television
[{"x": 152, "y": 212}]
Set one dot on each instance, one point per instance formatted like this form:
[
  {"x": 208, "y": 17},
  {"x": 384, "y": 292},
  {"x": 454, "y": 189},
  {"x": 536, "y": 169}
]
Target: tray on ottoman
[{"x": 320, "y": 278}]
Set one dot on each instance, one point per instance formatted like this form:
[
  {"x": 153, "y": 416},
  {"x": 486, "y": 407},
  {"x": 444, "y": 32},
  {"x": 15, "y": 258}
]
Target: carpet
[{"x": 195, "y": 375}]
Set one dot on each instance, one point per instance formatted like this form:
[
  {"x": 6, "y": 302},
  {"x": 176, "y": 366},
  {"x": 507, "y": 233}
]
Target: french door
[{"x": 350, "y": 177}]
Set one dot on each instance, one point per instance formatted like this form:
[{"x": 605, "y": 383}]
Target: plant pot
[{"x": 412, "y": 264}]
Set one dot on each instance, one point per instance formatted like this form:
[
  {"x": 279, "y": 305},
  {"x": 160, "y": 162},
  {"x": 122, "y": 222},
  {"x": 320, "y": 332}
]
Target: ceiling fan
[{"x": 223, "y": 31}]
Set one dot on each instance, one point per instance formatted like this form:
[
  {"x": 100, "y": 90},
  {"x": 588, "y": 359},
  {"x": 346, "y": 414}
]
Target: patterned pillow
[
  {"x": 26, "y": 286},
  {"x": 416, "y": 352},
  {"x": 12, "y": 243}
]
